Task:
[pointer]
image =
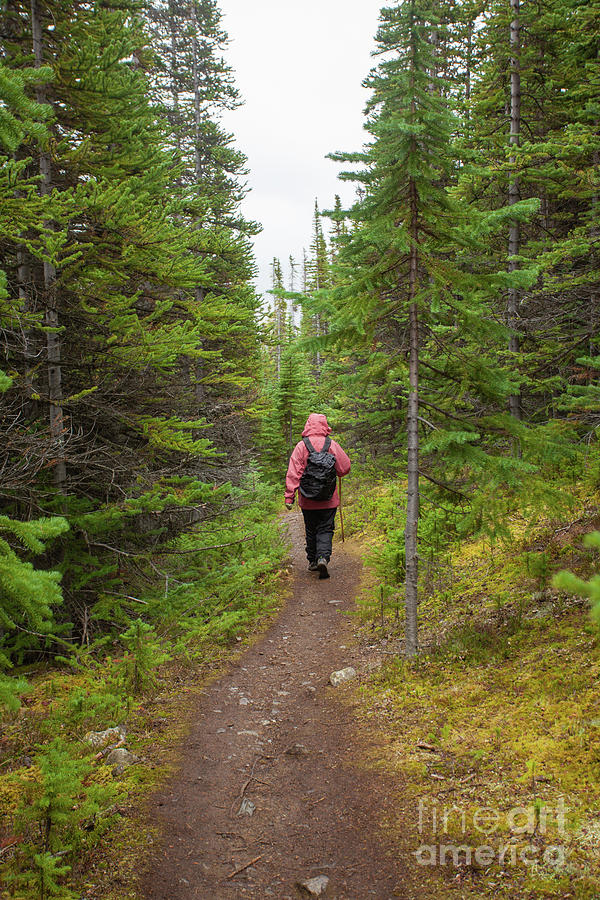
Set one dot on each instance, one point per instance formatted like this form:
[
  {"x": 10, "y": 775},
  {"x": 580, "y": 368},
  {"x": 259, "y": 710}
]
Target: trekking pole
[{"x": 341, "y": 515}]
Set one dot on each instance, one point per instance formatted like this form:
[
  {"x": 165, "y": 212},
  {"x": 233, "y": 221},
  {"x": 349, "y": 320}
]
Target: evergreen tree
[
  {"x": 149, "y": 285},
  {"x": 547, "y": 152},
  {"x": 28, "y": 596},
  {"x": 405, "y": 277}
]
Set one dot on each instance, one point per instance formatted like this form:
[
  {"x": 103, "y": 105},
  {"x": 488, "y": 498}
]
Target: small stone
[
  {"x": 120, "y": 759},
  {"x": 297, "y": 750},
  {"x": 342, "y": 675},
  {"x": 243, "y": 701},
  {"x": 100, "y": 739},
  {"x": 314, "y": 887},
  {"x": 247, "y": 808}
]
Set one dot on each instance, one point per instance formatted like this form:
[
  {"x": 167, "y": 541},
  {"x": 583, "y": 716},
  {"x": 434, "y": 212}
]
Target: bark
[
  {"x": 412, "y": 423},
  {"x": 174, "y": 71},
  {"x": 53, "y": 348},
  {"x": 412, "y": 490},
  {"x": 199, "y": 391},
  {"x": 197, "y": 109},
  {"x": 24, "y": 287},
  {"x": 594, "y": 304},
  {"x": 514, "y": 235}
]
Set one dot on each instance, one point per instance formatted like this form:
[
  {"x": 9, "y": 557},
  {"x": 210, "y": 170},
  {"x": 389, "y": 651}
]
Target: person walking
[{"x": 315, "y": 462}]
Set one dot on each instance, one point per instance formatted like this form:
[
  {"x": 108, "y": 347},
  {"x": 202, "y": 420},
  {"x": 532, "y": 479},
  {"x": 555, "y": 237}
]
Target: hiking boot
[
  {"x": 322, "y": 567},
  {"x": 312, "y": 567}
]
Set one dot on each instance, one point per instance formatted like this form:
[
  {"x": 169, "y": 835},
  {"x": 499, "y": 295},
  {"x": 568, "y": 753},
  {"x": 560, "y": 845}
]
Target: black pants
[{"x": 319, "y": 525}]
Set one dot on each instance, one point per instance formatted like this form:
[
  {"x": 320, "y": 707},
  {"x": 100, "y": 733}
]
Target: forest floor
[
  {"x": 272, "y": 790},
  {"x": 470, "y": 753}
]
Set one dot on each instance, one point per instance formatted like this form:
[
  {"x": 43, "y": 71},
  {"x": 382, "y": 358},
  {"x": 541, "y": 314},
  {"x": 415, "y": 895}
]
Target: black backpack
[{"x": 319, "y": 476}]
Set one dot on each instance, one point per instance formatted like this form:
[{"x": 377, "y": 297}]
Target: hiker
[{"x": 313, "y": 474}]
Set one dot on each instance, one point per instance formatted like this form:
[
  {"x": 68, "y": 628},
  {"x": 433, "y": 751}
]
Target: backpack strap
[{"x": 311, "y": 449}]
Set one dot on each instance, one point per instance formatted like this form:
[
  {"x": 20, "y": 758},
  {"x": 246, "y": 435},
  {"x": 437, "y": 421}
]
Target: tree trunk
[
  {"x": 174, "y": 70},
  {"x": 514, "y": 235},
  {"x": 200, "y": 393},
  {"x": 412, "y": 489},
  {"x": 197, "y": 108},
  {"x": 24, "y": 286},
  {"x": 594, "y": 231},
  {"x": 55, "y": 394}
]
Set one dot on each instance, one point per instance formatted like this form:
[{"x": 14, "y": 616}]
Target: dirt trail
[{"x": 273, "y": 732}]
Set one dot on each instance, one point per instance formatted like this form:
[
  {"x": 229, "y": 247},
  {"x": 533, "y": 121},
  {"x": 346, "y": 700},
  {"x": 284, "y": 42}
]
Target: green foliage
[
  {"x": 143, "y": 656},
  {"x": 28, "y": 596},
  {"x": 289, "y": 400},
  {"x": 567, "y": 581},
  {"x": 51, "y": 814},
  {"x": 21, "y": 117}
]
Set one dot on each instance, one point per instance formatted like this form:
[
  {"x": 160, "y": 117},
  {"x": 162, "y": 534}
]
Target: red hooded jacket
[{"x": 316, "y": 429}]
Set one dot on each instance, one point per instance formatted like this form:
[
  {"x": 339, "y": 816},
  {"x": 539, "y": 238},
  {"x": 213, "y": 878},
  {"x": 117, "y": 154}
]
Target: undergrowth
[
  {"x": 64, "y": 810},
  {"x": 493, "y": 732}
]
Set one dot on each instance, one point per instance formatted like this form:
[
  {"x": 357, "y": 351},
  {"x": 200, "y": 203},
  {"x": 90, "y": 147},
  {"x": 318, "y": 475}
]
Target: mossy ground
[{"x": 493, "y": 732}]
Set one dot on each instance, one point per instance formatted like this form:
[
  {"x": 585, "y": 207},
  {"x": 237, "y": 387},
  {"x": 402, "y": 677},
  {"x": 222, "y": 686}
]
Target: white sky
[{"x": 299, "y": 68}]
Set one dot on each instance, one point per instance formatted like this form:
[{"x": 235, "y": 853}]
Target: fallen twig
[
  {"x": 247, "y": 866},
  {"x": 240, "y": 796}
]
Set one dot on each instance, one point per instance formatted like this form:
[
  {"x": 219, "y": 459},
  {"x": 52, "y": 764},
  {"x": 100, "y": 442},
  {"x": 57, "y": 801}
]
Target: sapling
[
  {"x": 143, "y": 656},
  {"x": 567, "y": 581},
  {"x": 54, "y": 816},
  {"x": 538, "y": 567}
]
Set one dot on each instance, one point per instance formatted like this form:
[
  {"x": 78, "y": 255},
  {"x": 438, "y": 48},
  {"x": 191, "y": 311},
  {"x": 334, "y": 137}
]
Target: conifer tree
[
  {"x": 194, "y": 84},
  {"x": 142, "y": 271},
  {"x": 28, "y": 596},
  {"x": 557, "y": 66},
  {"x": 280, "y": 329},
  {"x": 402, "y": 278}
]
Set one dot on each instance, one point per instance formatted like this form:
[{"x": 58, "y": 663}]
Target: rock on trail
[{"x": 271, "y": 799}]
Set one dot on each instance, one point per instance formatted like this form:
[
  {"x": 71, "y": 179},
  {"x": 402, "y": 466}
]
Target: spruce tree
[
  {"x": 407, "y": 282},
  {"x": 141, "y": 269}
]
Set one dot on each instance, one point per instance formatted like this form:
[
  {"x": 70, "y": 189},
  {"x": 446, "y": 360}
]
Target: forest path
[{"x": 273, "y": 732}]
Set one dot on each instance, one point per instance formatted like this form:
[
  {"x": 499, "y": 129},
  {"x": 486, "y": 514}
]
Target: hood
[{"x": 316, "y": 425}]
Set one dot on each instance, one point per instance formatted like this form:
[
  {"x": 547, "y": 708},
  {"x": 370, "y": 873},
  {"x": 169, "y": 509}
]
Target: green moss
[{"x": 505, "y": 692}]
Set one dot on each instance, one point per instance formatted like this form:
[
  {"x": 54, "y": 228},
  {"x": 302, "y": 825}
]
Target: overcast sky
[{"x": 299, "y": 68}]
